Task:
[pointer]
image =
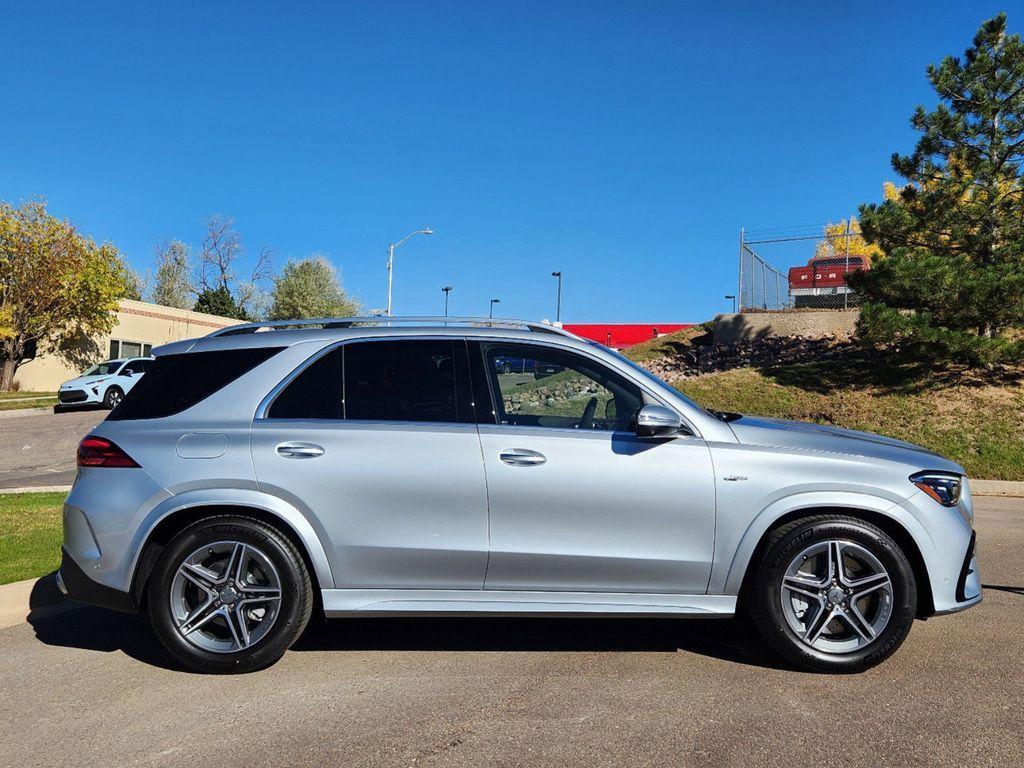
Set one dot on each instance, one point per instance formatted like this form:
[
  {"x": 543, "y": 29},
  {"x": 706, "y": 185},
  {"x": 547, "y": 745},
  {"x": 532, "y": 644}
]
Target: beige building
[{"x": 140, "y": 327}]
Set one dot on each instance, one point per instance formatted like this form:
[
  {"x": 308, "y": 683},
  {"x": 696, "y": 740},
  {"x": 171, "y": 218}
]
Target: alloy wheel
[
  {"x": 225, "y": 596},
  {"x": 837, "y": 596}
]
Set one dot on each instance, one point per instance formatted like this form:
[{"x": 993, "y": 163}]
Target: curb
[
  {"x": 32, "y": 599},
  {"x": 1009, "y": 488},
  {"x": 1005, "y": 488},
  {"x": 37, "y": 489}
]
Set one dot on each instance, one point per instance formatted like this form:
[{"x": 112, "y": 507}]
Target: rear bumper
[{"x": 75, "y": 584}]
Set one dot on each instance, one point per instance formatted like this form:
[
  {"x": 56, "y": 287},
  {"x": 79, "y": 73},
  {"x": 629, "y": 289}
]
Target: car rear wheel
[
  {"x": 229, "y": 594},
  {"x": 833, "y": 594},
  {"x": 113, "y": 397}
]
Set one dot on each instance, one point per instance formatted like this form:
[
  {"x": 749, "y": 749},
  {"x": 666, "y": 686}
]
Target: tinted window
[
  {"x": 313, "y": 394},
  {"x": 404, "y": 381},
  {"x": 177, "y": 382},
  {"x": 106, "y": 368},
  {"x": 544, "y": 387}
]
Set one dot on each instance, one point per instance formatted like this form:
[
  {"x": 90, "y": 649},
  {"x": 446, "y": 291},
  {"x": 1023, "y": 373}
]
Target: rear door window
[
  {"x": 316, "y": 393},
  {"x": 414, "y": 380}
]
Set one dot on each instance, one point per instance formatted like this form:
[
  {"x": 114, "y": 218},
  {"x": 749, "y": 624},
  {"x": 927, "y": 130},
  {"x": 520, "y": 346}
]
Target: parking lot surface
[
  {"x": 41, "y": 446},
  {"x": 90, "y": 687}
]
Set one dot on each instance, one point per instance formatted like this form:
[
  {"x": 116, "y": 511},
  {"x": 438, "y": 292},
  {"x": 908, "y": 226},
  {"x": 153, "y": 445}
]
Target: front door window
[{"x": 537, "y": 386}]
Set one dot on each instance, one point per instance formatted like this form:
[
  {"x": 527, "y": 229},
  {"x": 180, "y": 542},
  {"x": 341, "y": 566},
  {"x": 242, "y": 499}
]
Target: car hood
[
  {"x": 82, "y": 381},
  {"x": 800, "y": 435}
]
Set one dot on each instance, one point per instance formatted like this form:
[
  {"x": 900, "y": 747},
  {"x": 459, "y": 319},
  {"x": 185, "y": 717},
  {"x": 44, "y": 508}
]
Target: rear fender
[{"x": 239, "y": 497}]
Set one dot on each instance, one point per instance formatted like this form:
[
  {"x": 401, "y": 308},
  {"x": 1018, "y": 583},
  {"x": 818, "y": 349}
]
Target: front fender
[
  {"x": 727, "y": 574},
  {"x": 238, "y": 497}
]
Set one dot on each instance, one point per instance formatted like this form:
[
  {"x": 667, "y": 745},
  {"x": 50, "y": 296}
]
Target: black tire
[
  {"x": 765, "y": 592},
  {"x": 112, "y": 397},
  {"x": 506, "y": 368},
  {"x": 296, "y": 603}
]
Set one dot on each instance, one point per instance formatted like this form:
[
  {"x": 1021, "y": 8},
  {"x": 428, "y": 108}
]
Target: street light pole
[
  {"x": 447, "y": 289},
  {"x": 732, "y": 296},
  {"x": 558, "y": 305},
  {"x": 392, "y": 247},
  {"x": 490, "y": 314}
]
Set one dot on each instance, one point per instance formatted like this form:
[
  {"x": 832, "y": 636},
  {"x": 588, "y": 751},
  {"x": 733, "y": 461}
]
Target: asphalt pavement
[
  {"x": 90, "y": 687},
  {"x": 40, "y": 446}
]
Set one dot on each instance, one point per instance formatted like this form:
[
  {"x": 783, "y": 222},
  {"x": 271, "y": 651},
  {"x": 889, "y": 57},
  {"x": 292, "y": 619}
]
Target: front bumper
[{"x": 75, "y": 584}]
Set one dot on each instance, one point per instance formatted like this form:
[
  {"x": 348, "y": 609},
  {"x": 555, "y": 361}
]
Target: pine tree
[
  {"x": 219, "y": 301},
  {"x": 952, "y": 282}
]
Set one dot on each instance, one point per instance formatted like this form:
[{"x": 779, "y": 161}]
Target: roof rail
[{"x": 385, "y": 320}]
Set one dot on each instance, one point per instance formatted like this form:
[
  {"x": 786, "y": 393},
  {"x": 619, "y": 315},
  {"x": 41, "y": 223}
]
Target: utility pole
[
  {"x": 392, "y": 247},
  {"x": 846, "y": 275},
  {"x": 739, "y": 280},
  {"x": 447, "y": 289},
  {"x": 558, "y": 305}
]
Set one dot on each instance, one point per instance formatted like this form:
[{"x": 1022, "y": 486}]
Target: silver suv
[{"x": 369, "y": 466}]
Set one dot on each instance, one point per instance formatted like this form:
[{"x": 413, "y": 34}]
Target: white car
[{"x": 105, "y": 383}]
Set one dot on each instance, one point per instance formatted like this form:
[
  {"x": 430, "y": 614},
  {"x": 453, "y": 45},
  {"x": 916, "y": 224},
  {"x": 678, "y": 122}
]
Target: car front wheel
[
  {"x": 833, "y": 594},
  {"x": 229, "y": 594},
  {"x": 113, "y": 397}
]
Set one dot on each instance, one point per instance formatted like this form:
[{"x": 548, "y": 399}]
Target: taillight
[{"x": 99, "y": 452}]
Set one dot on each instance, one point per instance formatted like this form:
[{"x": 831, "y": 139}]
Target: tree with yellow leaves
[
  {"x": 836, "y": 243},
  {"x": 58, "y": 287}
]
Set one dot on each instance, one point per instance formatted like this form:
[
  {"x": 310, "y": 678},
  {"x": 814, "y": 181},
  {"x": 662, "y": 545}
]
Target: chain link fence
[{"x": 792, "y": 268}]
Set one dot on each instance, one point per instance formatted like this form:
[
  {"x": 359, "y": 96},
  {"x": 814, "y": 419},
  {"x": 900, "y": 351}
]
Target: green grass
[
  {"x": 30, "y": 534},
  {"x": 12, "y": 400},
  {"x": 670, "y": 344},
  {"x": 977, "y": 424}
]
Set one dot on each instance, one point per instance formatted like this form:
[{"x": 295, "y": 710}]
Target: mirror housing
[{"x": 657, "y": 421}]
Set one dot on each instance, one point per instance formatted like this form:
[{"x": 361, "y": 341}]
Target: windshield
[
  {"x": 106, "y": 368},
  {"x": 651, "y": 377}
]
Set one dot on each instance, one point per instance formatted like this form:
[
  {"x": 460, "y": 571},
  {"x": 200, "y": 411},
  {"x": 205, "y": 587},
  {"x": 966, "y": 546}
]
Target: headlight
[{"x": 942, "y": 487}]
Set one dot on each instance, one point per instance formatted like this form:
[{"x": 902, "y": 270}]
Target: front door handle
[
  {"x": 300, "y": 450},
  {"x": 521, "y": 457}
]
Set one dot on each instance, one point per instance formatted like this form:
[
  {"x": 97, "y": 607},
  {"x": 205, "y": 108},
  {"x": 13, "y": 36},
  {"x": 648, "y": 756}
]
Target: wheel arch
[
  {"x": 741, "y": 574},
  {"x": 175, "y": 520}
]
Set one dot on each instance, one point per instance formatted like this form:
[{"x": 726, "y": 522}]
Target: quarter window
[{"x": 543, "y": 387}]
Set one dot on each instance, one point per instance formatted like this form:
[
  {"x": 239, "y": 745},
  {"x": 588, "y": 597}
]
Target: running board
[{"x": 345, "y": 602}]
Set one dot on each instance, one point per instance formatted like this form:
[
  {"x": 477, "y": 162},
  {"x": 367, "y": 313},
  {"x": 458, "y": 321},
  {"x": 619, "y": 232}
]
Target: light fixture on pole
[
  {"x": 558, "y": 305},
  {"x": 490, "y": 314},
  {"x": 731, "y": 297},
  {"x": 447, "y": 289},
  {"x": 391, "y": 257}
]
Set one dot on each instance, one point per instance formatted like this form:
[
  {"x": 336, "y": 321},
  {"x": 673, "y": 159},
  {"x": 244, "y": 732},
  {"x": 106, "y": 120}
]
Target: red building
[{"x": 623, "y": 335}]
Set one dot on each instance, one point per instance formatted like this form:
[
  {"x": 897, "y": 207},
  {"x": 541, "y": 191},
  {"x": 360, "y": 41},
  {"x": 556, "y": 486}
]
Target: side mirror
[
  {"x": 657, "y": 421},
  {"x": 128, "y": 373}
]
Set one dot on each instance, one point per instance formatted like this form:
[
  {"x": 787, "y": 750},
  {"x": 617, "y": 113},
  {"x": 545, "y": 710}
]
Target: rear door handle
[
  {"x": 521, "y": 457},
  {"x": 300, "y": 450}
]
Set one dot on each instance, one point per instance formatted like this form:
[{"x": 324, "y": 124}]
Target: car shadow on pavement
[
  {"x": 1004, "y": 588},
  {"x": 734, "y": 640}
]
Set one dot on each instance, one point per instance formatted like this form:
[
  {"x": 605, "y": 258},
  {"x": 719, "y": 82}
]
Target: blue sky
[{"x": 623, "y": 143}]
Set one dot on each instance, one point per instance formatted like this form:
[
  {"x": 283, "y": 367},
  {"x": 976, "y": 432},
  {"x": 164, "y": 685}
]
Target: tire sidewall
[
  {"x": 773, "y": 621},
  {"x": 293, "y": 612}
]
